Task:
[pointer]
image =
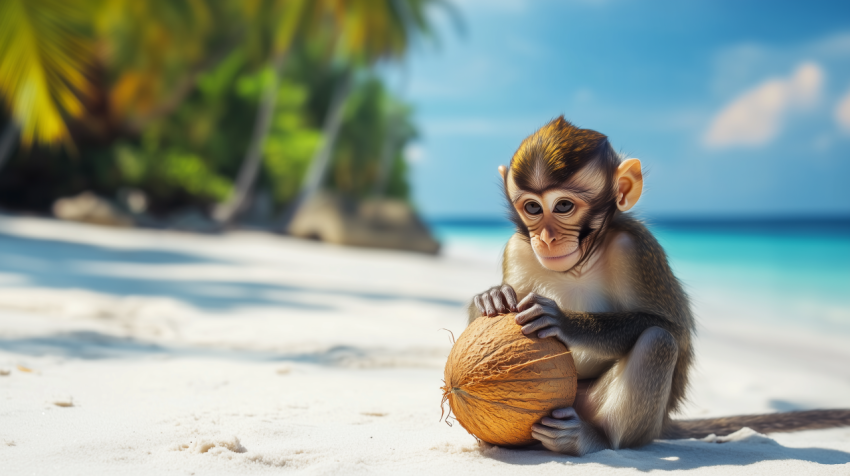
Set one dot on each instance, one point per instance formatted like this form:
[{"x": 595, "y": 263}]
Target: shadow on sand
[
  {"x": 677, "y": 455},
  {"x": 96, "y": 345},
  {"x": 57, "y": 264}
]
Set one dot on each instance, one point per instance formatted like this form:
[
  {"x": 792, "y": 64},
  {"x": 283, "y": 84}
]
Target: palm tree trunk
[
  {"x": 227, "y": 212},
  {"x": 387, "y": 155},
  {"x": 7, "y": 142},
  {"x": 395, "y": 114},
  {"x": 319, "y": 164}
]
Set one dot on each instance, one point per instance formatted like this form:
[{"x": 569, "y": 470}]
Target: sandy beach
[{"x": 152, "y": 352}]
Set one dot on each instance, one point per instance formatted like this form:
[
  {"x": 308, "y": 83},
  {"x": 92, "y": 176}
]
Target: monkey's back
[{"x": 659, "y": 291}]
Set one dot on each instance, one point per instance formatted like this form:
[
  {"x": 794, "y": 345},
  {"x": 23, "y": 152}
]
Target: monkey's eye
[
  {"x": 533, "y": 208},
  {"x": 564, "y": 206}
]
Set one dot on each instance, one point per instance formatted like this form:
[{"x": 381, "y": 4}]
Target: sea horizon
[{"x": 838, "y": 222}]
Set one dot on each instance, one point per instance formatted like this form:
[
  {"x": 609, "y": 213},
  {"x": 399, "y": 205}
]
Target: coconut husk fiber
[{"x": 499, "y": 382}]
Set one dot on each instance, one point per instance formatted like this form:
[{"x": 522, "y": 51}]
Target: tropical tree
[
  {"x": 372, "y": 31},
  {"x": 51, "y": 49},
  {"x": 276, "y": 24},
  {"x": 363, "y": 32},
  {"x": 367, "y": 157},
  {"x": 121, "y": 81}
]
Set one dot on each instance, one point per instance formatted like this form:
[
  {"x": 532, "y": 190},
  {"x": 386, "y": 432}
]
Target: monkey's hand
[
  {"x": 496, "y": 300},
  {"x": 567, "y": 433},
  {"x": 543, "y": 316}
]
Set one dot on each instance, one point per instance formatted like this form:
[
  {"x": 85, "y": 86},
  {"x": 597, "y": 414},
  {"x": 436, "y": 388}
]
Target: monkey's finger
[
  {"x": 552, "y": 444},
  {"x": 496, "y": 296},
  {"x": 546, "y": 440},
  {"x": 564, "y": 413},
  {"x": 481, "y": 302},
  {"x": 555, "y": 332},
  {"x": 479, "y": 305},
  {"x": 510, "y": 297},
  {"x": 537, "y": 324},
  {"x": 529, "y": 314},
  {"x": 546, "y": 302},
  {"x": 546, "y": 430},
  {"x": 488, "y": 305},
  {"x": 527, "y": 302},
  {"x": 560, "y": 424}
]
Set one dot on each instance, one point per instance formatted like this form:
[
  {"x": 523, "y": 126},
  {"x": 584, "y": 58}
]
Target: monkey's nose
[{"x": 547, "y": 237}]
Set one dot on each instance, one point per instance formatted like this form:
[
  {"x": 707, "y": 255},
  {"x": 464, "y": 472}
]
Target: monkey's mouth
[{"x": 555, "y": 258}]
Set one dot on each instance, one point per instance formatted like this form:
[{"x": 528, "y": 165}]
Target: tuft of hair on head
[{"x": 555, "y": 152}]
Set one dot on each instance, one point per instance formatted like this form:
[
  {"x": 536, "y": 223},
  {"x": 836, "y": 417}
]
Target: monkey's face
[{"x": 560, "y": 219}]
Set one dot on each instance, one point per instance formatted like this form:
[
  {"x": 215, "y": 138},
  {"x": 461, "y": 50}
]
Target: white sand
[{"x": 165, "y": 353}]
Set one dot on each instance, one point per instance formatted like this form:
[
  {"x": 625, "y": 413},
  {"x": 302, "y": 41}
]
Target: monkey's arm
[
  {"x": 607, "y": 334},
  {"x": 610, "y": 334}
]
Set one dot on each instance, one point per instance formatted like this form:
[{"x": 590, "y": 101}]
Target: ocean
[{"x": 772, "y": 271}]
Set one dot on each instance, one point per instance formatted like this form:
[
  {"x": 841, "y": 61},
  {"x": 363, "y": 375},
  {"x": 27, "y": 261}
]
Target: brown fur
[
  {"x": 661, "y": 293},
  {"x": 554, "y": 153},
  {"x": 659, "y": 301}
]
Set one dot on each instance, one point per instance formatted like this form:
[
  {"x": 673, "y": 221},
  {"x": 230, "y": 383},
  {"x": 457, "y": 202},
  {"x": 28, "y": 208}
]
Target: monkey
[{"x": 581, "y": 270}]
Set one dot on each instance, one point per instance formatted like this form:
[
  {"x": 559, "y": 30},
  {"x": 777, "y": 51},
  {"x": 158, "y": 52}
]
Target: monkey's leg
[{"x": 629, "y": 401}]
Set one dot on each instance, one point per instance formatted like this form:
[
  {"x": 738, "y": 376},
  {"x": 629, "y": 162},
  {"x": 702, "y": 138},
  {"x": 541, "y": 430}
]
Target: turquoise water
[{"x": 793, "y": 276}]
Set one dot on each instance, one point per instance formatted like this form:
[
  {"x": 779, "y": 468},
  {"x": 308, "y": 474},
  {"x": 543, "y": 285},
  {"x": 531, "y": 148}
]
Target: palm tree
[
  {"x": 365, "y": 32},
  {"x": 278, "y": 22},
  {"x": 371, "y": 31},
  {"x": 389, "y": 149}
]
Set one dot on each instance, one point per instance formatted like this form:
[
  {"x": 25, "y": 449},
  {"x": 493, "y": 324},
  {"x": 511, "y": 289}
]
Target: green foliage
[
  {"x": 292, "y": 141},
  {"x": 194, "y": 153},
  {"x": 167, "y": 100},
  {"x": 397, "y": 185},
  {"x": 191, "y": 155},
  {"x": 376, "y": 129},
  {"x": 166, "y": 174},
  {"x": 191, "y": 173},
  {"x": 290, "y": 144}
]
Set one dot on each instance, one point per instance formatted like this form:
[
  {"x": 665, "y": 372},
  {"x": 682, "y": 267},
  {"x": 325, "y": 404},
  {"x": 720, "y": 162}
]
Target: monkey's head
[{"x": 563, "y": 186}]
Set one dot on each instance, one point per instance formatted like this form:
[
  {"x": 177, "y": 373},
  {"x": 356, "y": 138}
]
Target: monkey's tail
[{"x": 768, "y": 423}]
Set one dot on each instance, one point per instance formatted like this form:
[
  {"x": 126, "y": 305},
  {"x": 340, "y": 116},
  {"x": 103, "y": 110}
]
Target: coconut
[{"x": 499, "y": 381}]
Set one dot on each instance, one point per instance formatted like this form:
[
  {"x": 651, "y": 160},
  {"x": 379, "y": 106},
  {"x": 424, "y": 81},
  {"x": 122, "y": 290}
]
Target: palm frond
[
  {"x": 374, "y": 30},
  {"x": 43, "y": 56}
]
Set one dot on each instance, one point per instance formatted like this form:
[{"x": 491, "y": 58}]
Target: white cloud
[
  {"x": 756, "y": 117},
  {"x": 842, "y": 112},
  {"x": 740, "y": 65}
]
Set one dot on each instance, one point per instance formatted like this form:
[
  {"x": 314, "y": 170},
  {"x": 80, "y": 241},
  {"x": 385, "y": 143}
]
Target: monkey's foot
[{"x": 568, "y": 434}]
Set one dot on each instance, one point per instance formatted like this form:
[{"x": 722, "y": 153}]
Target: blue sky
[{"x": 733, "y": 107}]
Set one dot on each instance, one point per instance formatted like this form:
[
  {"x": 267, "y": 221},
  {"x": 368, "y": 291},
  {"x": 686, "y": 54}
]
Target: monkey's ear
[
  {"x": 629, "y": 184},
  {"x": 502, "y": 171}
]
